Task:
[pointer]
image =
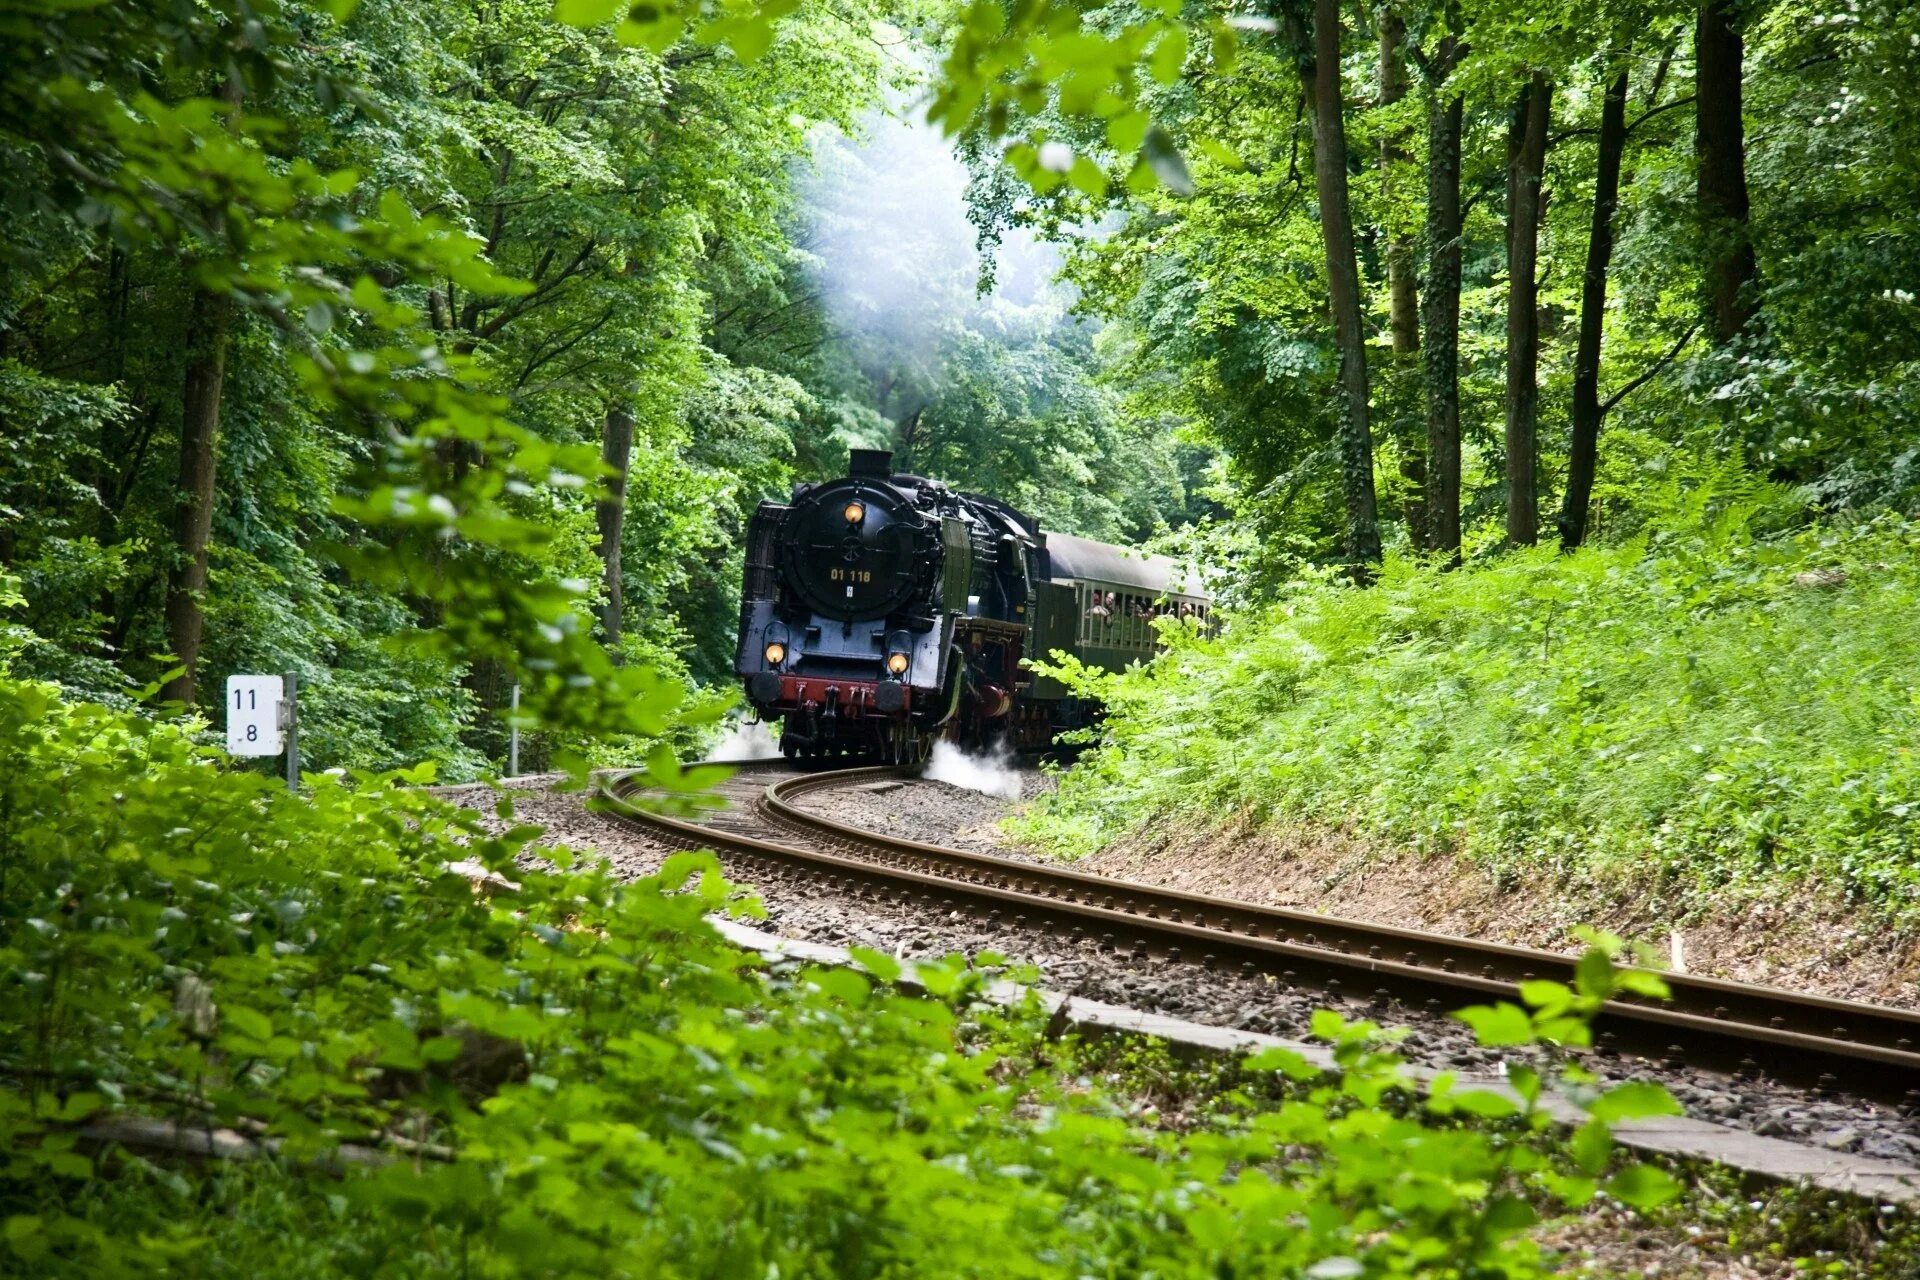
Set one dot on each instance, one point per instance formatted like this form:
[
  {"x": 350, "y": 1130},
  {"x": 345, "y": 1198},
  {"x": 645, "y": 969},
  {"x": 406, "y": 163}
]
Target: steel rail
[{"x": 1844, "y": 1046}]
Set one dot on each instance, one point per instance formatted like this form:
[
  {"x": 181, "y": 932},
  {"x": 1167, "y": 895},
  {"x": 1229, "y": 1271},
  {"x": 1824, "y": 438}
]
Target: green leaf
[
  {"x": 248, "y": 1022},
  {"x": 1642, "y": 1186},
  {"x": 1169, "y": 56},
  {"x": 1087, "y": 178},
  {"x": 1288, "y": 1062},
  {"x": 1508, "y": 1214},
  {"x": 440, "y": 1049},
  {"x": 1576, "y": 1031},
  {"x": 585, "y": 13},
  {"x": 25, "y": 1234},
  {"x": 1634, "y": 1100},
  {"x": 1541, "y": 994},
  {"x": 1593, "y": 975},
  {"x": 749, "y": 36},
  {"x": 397, "y": 1046},
  {"x": 1125, "y": 132},
  {"x": 1325, "y": 1024},
  {"x": 841, "y": 984},
  {"x": 1483, "y": 1103},
  {"x": 1221, "y": 154},
  {"x": 1643, "y": 982},
  {"x": 67, "y": 1164},
  {"x": 1591, "y": 1146},
  {"x": 79, "y": 1106},
  {"x": 1499, "y": 1024},
  {"x": 878, "y": 963},
  {"x": 1225, "y": 48}
]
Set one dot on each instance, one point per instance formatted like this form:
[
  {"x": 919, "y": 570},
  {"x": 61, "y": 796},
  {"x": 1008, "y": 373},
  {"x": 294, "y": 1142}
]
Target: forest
[
  {"x": 1534, "y": 386},
  {"x": 1332, "y": 286}
]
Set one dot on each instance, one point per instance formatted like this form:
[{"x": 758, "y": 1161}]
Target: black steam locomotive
[{"x": 881, "y": 612}]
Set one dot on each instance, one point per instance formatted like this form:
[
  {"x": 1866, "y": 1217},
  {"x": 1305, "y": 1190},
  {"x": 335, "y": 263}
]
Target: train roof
[{"x": 1074, "y": 557}]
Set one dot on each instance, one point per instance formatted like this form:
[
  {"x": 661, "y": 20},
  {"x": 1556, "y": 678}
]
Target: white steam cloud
[
  {"x": 993, "y": 775},
  {"x": 892, "y": 250},
  {"x": 745, "y": 741}
]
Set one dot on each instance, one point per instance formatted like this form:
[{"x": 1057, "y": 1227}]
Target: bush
[
  {"x": 1728, "y": 709},
  {"x": 579, "y": 1077}
]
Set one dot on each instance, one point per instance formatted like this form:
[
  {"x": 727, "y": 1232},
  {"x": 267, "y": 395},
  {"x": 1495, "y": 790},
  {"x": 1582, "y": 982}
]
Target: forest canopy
[{"x": 443, "y": 348}]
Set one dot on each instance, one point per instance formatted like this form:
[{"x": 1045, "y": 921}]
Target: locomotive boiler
[{"x": 882, "y": 611}]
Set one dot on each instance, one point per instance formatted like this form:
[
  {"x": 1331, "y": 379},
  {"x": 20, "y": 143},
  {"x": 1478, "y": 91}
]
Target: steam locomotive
[{"x": 881, "y": 612}]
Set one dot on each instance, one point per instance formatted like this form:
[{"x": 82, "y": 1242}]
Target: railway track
[{"x": 1835, "y": 1046}]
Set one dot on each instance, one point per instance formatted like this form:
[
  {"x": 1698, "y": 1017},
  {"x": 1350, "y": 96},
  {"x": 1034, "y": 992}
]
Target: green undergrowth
[
  {"x": 1727, "y": 1214},
  {"x": 575, "y": 1076},
  {"x": 1714, "y": 708}
]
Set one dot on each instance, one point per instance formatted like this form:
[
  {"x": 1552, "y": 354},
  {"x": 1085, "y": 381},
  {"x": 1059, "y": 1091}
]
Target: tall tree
[
  {"x": 1441, "y": 305},
  {"x": 610, "y": 512},
  {"x": 1403, "y": 299},
  {"x": 1526, "y": 161},
  {"x": 209, "y": 320},
  {"x": 1720, "y": 152},
  {"x": 1584, "y": 443},
  {"x": 1321, "y": 75},
  {"x": 210, "y": 317}
]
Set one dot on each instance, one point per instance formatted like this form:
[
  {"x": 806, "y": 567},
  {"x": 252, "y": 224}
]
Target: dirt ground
[{"x": 1799, "y": 942}]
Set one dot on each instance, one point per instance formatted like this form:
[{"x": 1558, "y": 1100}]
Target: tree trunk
[
  {"x": 616, "y": 450},
  {"x": 1403, "y": 299},
  {"x": 1584, "y": 446},
  {"x": 1343, "y": 287},
  {"x": 209, "y": 321},
  {"x": 1441, "y": 310},
  {"x": 1720, "y": 150},
  {"x": 1526, "y": 158}
]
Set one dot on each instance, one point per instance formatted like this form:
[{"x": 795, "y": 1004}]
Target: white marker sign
[{"x": 253, "y": 715}]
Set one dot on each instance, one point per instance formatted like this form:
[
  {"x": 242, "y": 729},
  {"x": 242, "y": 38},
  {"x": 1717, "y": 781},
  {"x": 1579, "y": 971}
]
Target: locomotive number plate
[{"x": 852, "y": 575}]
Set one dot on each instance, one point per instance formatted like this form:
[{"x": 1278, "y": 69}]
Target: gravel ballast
[{"x": 801, "y": 906}]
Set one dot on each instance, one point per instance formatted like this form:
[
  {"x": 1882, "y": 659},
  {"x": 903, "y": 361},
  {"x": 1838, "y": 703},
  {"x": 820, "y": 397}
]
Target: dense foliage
[
  {"x": 576, "y": 1076},
  {"x": 269, "y": 267},
  {"x": 281, "y": 277},
  {"x": 1698, "y": 707},
  {"x": 1624, "y": 349}
]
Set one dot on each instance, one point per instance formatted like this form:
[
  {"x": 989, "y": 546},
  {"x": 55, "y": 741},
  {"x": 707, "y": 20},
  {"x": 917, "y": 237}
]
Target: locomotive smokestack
[{"x": 870, "y": 462}]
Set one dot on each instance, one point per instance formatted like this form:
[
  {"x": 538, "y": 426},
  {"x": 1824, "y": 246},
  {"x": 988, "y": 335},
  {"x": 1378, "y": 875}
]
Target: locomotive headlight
[
  {"x": 855, "y": 512},
  {"x": 776, "y": 654},
  {"x": 897, "y": 663}
]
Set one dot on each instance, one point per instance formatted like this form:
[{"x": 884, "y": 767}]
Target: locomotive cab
[
  {"x": 846, "y": 628},
  {"x": 880, "y": 611}
]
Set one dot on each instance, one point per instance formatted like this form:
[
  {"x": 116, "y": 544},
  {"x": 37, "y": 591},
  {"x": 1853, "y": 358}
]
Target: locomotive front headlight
[
  {"x": 855, "y": 512},
  {"x": 897, "y": 663},
  {"x": 776, "y": 654}
]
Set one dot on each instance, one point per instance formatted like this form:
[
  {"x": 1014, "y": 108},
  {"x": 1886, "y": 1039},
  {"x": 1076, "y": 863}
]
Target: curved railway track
[{"x": 1838, "y": 1046}]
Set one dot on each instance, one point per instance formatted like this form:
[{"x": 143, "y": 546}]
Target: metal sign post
[
  {"x": 290, "y": 710},
  {"x": 513, "y": 737}
]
